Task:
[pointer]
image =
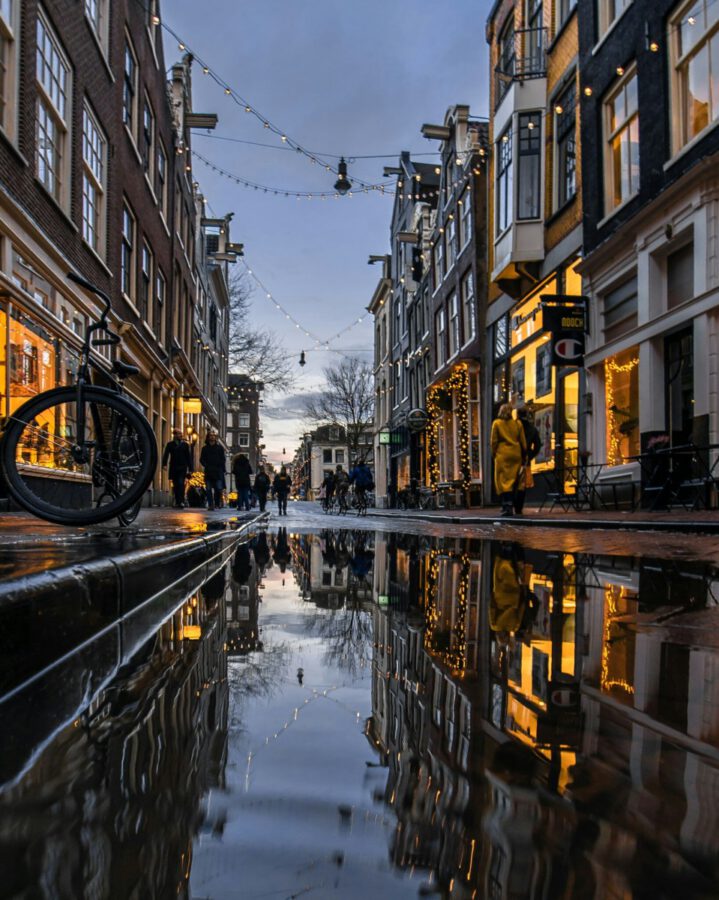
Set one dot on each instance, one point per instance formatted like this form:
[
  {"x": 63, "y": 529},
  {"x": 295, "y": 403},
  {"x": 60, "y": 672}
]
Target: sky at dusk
[{"x": 345, "y": 79}]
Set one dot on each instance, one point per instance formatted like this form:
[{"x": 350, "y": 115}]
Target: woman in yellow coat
[{"x": 509, "y": 451}]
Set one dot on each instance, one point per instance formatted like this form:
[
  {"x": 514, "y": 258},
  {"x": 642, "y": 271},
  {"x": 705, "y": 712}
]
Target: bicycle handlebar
[{"x": 89, "y": 286}]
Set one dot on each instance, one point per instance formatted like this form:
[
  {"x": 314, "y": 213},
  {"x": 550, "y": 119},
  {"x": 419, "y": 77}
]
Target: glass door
[{"x": 567, "y": 446}]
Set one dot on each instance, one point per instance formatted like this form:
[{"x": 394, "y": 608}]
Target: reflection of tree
[
  {"x": 346, "y": 634},
  {"x": 256, "y": 675}
]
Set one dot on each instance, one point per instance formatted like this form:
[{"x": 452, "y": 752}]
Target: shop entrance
[
  {"x": 679, "y": 386},
  {"x": 567, "y": 434}
]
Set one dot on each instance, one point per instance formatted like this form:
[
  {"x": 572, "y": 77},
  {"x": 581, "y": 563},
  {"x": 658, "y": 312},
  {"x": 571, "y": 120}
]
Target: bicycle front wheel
[{"x": 63, "y": 459}]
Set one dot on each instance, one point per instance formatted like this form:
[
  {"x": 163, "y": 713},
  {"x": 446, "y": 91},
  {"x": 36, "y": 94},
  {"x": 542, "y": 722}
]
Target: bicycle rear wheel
[{"x": 56, "y": 476}]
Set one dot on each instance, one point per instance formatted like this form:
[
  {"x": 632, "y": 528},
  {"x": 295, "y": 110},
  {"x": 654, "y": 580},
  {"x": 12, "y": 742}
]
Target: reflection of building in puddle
[
  {"x": 243, "y": 601},
  {"x": 611, "y": 776},
  {"x": 335, "y": 568},
  {"x": 121, "y": 788}
]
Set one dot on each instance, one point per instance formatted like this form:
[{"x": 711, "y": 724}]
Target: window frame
[
  {"x": 128, "y": 242},
  {"x": 91, "y": 181},
  {"x": 469, "y": 313},
  {"x": 465, "y": 219},
  {"x": 454, "y": 330},
  {"x": 440, "y": 328},
  {"x": 148, "y": 143},
  {"x": 9, "y": 67},
  {"x": 504, "y": 183},
  {"x": 58, "y": 184},
  {"x": 130, "y": 84},
  {"x": 565, "y": 132},
  {"x": 146, "y": 281},
  {"x": 604, "y": 22},
  {"x": 610, "y": 134},
  {"x": 529, "y": 147}
]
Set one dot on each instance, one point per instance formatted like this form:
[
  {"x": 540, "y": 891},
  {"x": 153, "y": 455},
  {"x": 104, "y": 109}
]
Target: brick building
[
  {"x": 95, "y": 177},
  {"x": 243, "y": 418}
]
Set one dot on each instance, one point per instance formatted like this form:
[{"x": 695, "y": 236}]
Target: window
[
  {"x": 534, "y": 39},
  {"x": 244, "y": 439},
  {"x": 468, "y": 311},
  {"x": 680, "y": 276},
  {"x": 334, "y": 433},
  {"x": 96, "y": 12},
  {"x": 454, "y": 340},
  {"x": 158, "y": 318},
  {"x": 145, "y": 281},
  {"x": 9, "y": 16},
  {"x": 339, "y": 456},
  {"x": 244, "y": 421},
  {"x": 465, "y": 219},
  {"x": 440, "y": 325},
  {"x": 438, "y": 260},
  {"x": 129, "y": 89},
  {"x": 621, "y": 394},
  {"x": 619, "y": 310},
  {"x": 505, "y": 62},
  {"x": 161, "y": 179},
  {"x": 450, "y": 237},
  {"x": 694, "y": 47},
  {"x": 147, "y": 142},
  {"x": 127, "y": 252},
  {"x": 564, "y": 10},
  {"x": 504, "y": 181},
  {"x": 53, "y": 113},
  {"x": 622, "y": 143},
  {"x": 94, "y": 156},
  {"x": 565, "y": 144},
  {"x": 530, "y": 147},
  {"x": 609, "y": 11},
  {"x": 153, "y": 22},
  {"x": 326, "y": 456}
]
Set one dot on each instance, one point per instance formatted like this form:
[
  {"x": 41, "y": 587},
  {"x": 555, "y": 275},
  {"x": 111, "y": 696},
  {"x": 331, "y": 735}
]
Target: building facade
[
  {"x": 379, "y": 307},
  {"x": 95, "y": 177},
  {"x": 651, "y": 245},
  {"x": 535, "y": 220},
  {"x": 244, "y": 434}
]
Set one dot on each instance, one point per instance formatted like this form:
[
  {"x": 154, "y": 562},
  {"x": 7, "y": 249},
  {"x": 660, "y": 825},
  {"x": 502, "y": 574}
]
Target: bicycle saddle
[{"x": 124, "y": 370}]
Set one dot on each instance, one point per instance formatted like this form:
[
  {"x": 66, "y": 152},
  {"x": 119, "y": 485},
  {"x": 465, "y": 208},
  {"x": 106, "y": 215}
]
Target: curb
[{"x": 693, "y": 527}]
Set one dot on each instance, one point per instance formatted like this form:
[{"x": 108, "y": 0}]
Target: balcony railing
[{"x": 523, "y": 58}]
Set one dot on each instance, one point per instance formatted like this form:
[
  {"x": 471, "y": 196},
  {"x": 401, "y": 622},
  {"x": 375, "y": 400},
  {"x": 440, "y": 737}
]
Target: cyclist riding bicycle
[
  {"x": 342, "y": 485},
  {"x": 361, "y": 477},
  {"x": 329, "y": 488}
]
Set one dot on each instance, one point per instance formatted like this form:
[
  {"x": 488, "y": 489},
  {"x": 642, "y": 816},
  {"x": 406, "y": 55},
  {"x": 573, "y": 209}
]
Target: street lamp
[{"x": 343, "y": 184}]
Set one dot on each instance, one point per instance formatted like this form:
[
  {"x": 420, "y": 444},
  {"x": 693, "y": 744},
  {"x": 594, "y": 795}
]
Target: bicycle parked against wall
[{"x": 84, "y": 453}]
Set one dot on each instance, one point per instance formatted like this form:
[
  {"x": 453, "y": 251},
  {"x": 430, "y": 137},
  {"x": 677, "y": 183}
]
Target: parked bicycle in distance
[{"x": 83, "y": 453}]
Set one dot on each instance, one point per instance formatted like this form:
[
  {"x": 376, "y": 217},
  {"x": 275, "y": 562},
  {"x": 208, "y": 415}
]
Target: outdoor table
[
  {"x": 678, "y": 475},
  {"x": 584, "y": 477}
]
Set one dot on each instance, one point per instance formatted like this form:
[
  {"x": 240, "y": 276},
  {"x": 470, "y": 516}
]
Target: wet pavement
[{"x": 343, "y": 707}]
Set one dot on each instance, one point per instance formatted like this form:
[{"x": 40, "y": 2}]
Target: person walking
[
  {"x": 509, "y": 450},
  {"x": 212, "y": 459},
  {"x": 534, "y": 445},
  {"x": 282, "y": 485},
  {"x": 262, "y": 486},
  {"x": 177, "y": 452},
  {"x": 242, "y": 471}
]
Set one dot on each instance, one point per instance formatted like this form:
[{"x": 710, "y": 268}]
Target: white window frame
[
  {"x": 568, "y": 92},
  {"x": 147, "y": 140},
  {"x": 53, "y": 78},
  {"x": 243, "y": 439},
  {"x": 504, "y": 183},
  {"x": 128, "y": 247},
  {"x": 130, "y": 83},
  {"x": 147, "y": 282},
  {"x": 9, "y": 56},
  {"x": 97, "y": 15},
  {"x": 94, "y": 181},
  {"x": 440, "y": 327},
  {"x": 450, "y": 237},
  {"x": 705, "y": 32},
  {"x": 243, "y": 420},
  {"x": 469, "y": 314},
  {"x": 465, "y": 219},
  {"x": 610, "y": 134},
  {"x": 608, "y": 14},
  {"x": 455, "y": 328},
  {"x": 160, "y": 294},
  {"x": 160, "y": 182}
]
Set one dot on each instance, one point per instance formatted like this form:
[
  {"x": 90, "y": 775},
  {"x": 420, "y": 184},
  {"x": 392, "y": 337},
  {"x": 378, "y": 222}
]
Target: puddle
[{"x": 344, "y": 713}]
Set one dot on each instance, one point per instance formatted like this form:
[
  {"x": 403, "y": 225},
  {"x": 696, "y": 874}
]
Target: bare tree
[
  {"x": 347, "y": 400},
  {"x": 255, "y": 352}
]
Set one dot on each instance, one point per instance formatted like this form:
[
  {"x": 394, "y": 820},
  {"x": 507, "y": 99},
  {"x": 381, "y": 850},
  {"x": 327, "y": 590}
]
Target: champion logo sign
[{"x": 569, "y": 348}]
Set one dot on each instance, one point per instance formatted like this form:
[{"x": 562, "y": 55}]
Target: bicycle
[
  {"x": 360, "y": 502},
  {"x": 342, "y": 504},
  {"x": 328, "y": 503},
  {"x": 84, "y": 453}
]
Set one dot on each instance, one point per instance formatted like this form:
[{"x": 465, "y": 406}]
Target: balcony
[{"x": 522, "y": 58}]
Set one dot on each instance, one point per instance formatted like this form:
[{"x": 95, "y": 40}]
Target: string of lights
[
  {"x": 350, "y": 159},
  {"x": 382, "y": 188},
  {"x": 318, "y": 341}
]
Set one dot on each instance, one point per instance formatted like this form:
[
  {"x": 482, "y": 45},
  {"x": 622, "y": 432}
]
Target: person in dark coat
[
  {"x": 212, "y": 459},
  {"x": 262, "y": 486},
  {"x": 242, "y": 471},
  {"x": 177, "y": 452},
  {"x": 282, "y": 555},
  {"x": 534, "y": 445},
  {"x": 282, "y": 485}
]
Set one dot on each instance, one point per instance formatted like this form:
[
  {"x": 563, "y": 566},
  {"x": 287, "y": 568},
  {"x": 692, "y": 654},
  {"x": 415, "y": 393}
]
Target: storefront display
[{"x": 621, "y": 388}]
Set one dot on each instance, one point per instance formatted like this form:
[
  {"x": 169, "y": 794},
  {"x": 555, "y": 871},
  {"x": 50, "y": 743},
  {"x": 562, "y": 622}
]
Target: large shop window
[
  {"x": 621, "y": 389},
  {"x": 529, "y": 188},
  {"x": 694, "y": 48},
  {"x": 621, "y": 163}
]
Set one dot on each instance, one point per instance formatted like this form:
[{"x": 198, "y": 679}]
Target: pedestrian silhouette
[{"x": 300, "y": 675}]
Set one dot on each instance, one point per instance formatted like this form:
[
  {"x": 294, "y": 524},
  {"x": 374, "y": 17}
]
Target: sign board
[
  {"x": 384, "y": 437},
  {"x": 567, "y": 348},
  {"x": 564, "y": 318},
  {"x": 417, "y": 419}
]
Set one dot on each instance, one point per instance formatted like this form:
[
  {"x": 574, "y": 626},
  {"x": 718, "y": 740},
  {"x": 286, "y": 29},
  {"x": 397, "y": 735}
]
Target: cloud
[{"x": 290, "y": 407}]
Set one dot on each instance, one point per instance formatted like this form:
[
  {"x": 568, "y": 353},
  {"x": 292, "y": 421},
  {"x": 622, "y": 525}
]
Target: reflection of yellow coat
[
  {"x": 509, "y": 447},
  {"x": 507, "y": 605}
]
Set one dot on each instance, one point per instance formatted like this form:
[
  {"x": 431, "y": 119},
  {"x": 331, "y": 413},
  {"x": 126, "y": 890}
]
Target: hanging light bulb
[{"x": 343, "y": 184}]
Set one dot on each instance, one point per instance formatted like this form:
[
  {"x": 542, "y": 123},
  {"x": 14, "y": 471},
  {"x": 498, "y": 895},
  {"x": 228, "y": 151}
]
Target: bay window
[{"x": 529, "y": 187}]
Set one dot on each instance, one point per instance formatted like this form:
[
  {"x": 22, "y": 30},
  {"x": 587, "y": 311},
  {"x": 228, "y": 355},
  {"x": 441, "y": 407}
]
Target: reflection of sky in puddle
[{"x": 298, "y": 808}]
